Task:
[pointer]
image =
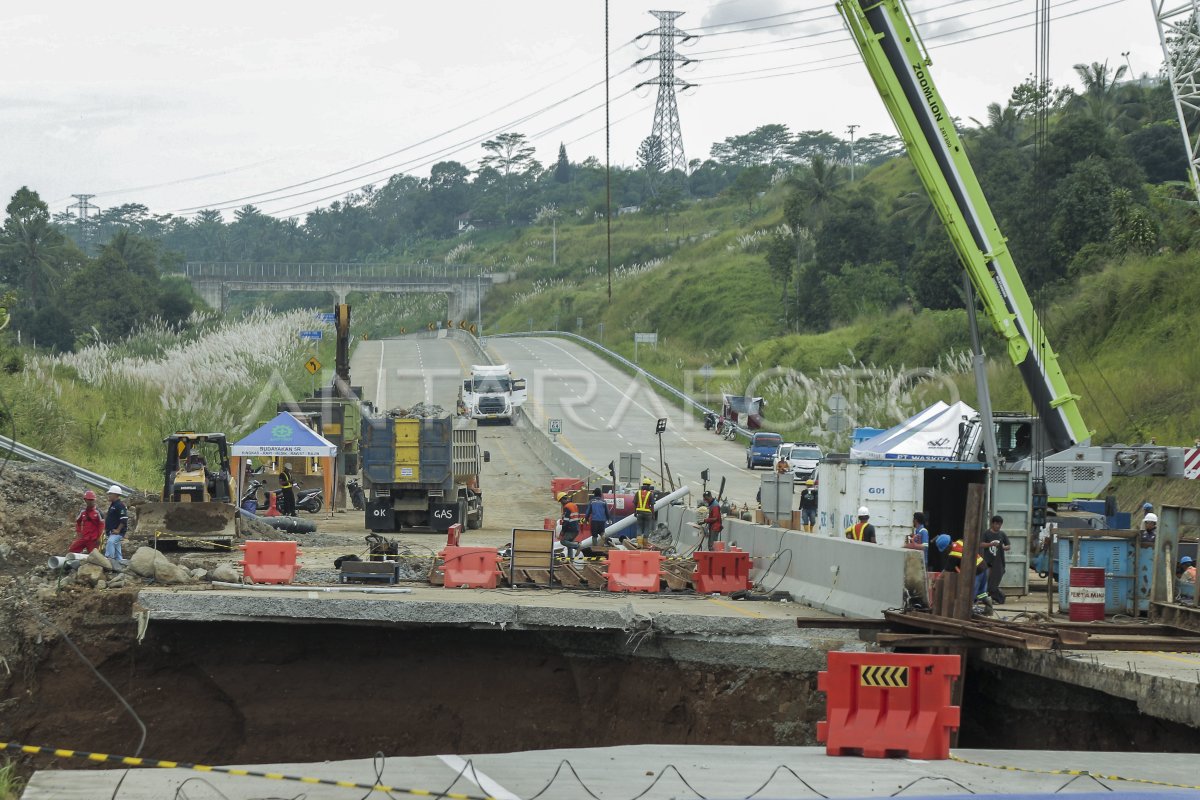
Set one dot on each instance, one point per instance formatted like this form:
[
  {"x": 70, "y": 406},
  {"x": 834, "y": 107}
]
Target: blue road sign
[
  {"x": 326, "y": 316},
  {"x": 313, "y": 335}
]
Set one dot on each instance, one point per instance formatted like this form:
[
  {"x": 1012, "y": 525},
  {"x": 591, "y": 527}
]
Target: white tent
[{"x": 928, "y": 436}]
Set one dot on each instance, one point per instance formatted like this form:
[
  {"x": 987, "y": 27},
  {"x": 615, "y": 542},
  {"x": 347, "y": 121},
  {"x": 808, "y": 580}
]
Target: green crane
[{"x": 896, "y": 59}]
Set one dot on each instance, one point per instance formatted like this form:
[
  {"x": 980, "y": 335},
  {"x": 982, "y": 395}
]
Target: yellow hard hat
[{"x": 559, "y": 497}]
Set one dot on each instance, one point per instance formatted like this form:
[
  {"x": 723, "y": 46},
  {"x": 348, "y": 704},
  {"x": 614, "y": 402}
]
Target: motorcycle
[
  {"x": 357, "y": 497},
  {"x": 249, "y": 499},
  {"x": 310, "y": 500},
  {"x": 710, "y": 420}
]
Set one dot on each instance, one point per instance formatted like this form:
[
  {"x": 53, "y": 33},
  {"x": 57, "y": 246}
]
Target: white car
[{"x": 803, "y": 458}]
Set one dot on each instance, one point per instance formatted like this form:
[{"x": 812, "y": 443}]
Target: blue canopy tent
[{"x": 283, "y": 437}]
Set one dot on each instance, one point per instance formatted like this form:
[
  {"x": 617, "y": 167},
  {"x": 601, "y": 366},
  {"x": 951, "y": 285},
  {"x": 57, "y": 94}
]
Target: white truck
[{"x": 492, "y": 393}]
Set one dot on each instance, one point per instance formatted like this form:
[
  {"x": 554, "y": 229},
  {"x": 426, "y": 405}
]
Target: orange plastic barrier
[
  {"x": 721, "y": 572},
  {"x": 564, "y": 485},
  {"x": 270, "y": 562},
  {"x": 882, "y": 705},
  {"x": 634, "y": 570},
  {"x": 549, "y": 523},
  {"x": 272, "y": 506},
  {"x": 470, "y": 567},
  {"x": 453, "y": 534}
]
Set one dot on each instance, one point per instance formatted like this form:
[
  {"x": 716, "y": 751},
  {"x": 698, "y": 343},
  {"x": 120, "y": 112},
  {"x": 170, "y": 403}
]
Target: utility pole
[
  {"x": 852, "y": 129},
  {"x": 666, "y": 110},
  {"x": 82, "y": 216}
]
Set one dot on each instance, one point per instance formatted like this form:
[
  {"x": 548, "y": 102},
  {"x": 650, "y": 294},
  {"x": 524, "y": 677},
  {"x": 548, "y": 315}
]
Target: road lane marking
[
  {"x": 679, "y": 436},
  {"x": 735, "y": 607}
]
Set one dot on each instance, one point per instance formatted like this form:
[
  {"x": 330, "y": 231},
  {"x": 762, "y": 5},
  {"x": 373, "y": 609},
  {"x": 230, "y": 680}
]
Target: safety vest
[
  {"x": 643, "y": 501},
  {"x": 285, "y": 480},
  {"x": 857, "y": 530},
  {"x": 956, "y": 551}
]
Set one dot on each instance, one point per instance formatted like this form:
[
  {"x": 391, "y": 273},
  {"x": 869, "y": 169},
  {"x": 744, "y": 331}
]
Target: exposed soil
[
  {"x": 1007, "y": 709},
  {"x": 248, "y": 693}
]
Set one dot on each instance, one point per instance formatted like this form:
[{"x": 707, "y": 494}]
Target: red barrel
[{"x": 1086, "y": 594}]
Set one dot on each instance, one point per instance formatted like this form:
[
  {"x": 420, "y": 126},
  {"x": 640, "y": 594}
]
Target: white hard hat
[
  {"x": 1151, "y": 518},
  {"x": 114, "y": 489},
  {"x": 863, "y": 511}
]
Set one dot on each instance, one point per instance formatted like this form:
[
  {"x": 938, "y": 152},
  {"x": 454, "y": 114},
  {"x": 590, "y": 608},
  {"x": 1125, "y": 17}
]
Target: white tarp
[{"x": 927, "y": 436}]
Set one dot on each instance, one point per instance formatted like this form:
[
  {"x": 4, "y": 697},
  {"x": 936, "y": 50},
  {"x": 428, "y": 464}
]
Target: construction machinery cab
[{"x": 197, "y": 468}]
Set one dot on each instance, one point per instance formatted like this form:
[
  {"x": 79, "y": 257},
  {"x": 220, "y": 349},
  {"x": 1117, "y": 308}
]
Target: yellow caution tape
[
  {"x": 130, "y": 761},
  {"x": 1074, "y": 773}
]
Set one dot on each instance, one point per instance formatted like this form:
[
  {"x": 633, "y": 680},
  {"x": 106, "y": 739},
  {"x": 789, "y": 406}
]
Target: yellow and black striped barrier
[
  {"x": 1077, "y": 773},
  {"x": 132, "y": 761}
]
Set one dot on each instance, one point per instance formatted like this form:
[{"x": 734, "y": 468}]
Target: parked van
[{"x": 762, "y": 449}]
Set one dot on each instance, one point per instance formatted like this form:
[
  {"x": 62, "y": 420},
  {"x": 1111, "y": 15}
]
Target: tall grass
[
  {"x": 11, "y": 784},
  {"x": 108, "y": 405}
]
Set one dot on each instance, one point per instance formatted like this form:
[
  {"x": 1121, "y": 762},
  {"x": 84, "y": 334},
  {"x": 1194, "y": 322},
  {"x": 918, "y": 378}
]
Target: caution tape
[
  {"x": 131, "y": 761},
  {"x": 1074, "y": 773}
]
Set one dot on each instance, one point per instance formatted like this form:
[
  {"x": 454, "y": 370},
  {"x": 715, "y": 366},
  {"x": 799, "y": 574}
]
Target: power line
[
  {"x": 409, "y": 164},
  {"x": 232, "y": 203},
  {"x": 735, "y": 77}
]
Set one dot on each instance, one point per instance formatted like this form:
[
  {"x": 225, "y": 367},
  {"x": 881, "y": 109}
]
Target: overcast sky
[{"x": 180, "y": 106}]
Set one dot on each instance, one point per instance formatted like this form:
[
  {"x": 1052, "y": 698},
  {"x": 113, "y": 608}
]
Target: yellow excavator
[{"x": 198, "y": 505}]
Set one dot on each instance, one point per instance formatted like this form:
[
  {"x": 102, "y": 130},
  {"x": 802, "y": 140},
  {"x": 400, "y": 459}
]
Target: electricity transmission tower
[
  {"x": 1179, "y": 34},
  {"x": 666, "y": 111},
  {"x": 83, "y": 217}
]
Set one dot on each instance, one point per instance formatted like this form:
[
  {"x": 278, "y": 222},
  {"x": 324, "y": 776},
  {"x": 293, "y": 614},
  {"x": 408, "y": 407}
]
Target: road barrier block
[
  {"x": 270, "y": 562},
  {"x": 883, "y": 705},
  {"x": 634, "y": 570},
  {"x": 721, "y": 572},
  {"x": 453, "y": 534},
  {"x": 470, "y": 567}
]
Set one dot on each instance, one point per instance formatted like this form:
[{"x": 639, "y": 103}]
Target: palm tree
[{"x": 1100, "y": 98}]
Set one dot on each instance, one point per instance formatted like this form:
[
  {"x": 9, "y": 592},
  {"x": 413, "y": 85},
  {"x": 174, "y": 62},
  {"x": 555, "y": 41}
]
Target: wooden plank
[
  {"x": 568, "y": 575},
  {"x": 678, "y": 576},
  {"x": 1021, "y": 641},
  {"x": 595, "y": 576},
  {"x": 1167, "y": 644},
  {"x": 924, "y": 640},
  {"x": 842, "y": 623}
]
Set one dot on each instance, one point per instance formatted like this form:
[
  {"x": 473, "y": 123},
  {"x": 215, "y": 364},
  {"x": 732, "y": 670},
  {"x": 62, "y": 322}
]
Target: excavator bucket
[{"x": 187, "y": 525}]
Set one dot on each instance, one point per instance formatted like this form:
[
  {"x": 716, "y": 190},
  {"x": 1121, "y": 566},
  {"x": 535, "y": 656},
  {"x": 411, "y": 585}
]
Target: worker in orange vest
[{"x": 863, "y": 530}]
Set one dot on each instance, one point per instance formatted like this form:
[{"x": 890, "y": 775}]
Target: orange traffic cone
[{"x": 272, "y": 509}]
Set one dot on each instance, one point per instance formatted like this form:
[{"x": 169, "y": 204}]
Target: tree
[
  {"x": 562, "y": 167},
  {"x": 33, "y": 253},
  {"x": 508, "y": 153},
  {"x": 1100, "y": 98},
  {"x": 652, "y": 159},
  {"x": 1083, "y": 209},
  {"x": 749, "y": 183},
  {"x": 813, "y": 193}
]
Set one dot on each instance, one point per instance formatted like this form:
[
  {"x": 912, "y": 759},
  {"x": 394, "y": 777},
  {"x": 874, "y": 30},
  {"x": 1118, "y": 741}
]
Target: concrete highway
[
  {"x": 398, "y": 373},
  {"x": 606, "y": 411}
]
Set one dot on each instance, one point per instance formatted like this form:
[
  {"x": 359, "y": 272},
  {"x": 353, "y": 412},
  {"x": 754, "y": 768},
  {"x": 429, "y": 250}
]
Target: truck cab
[
  {"x": 762, "y": 449},
  {"x": 492, "y": 393}
]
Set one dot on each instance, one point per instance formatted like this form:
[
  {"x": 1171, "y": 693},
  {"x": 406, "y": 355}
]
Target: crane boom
[{"x": 894, "y": 56}]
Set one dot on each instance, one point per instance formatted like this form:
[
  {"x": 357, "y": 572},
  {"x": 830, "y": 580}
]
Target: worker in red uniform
[
  {"x": 88, "y": 526},
  {"x": 712, "y": 523}
]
